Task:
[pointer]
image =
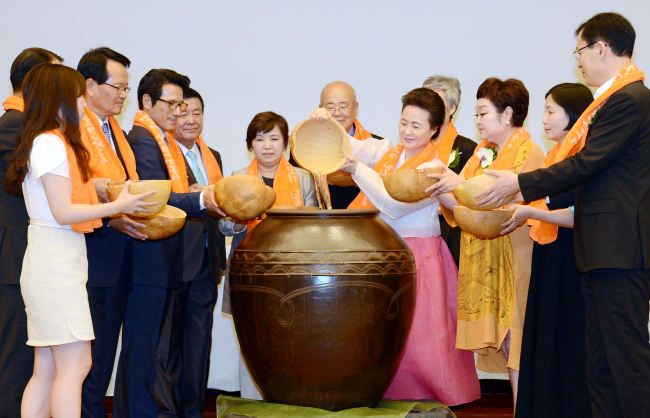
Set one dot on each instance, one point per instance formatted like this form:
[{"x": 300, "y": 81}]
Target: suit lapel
[{"x": 117, "y": 151}]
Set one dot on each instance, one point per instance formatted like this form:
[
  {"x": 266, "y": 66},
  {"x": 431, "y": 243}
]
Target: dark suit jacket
[
  {"x": 13, "y": 213},
  {"x": 452, "y": 235},
  {"x": 196, "y": 232},
  {"x": 105, "y": 247},
  {"x": 612, "y": 172},
  {"x": 160, "y": 262}
]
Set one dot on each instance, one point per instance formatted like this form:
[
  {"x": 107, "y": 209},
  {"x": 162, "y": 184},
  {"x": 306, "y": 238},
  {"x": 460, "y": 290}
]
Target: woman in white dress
[{"x": 50, "y": 167}]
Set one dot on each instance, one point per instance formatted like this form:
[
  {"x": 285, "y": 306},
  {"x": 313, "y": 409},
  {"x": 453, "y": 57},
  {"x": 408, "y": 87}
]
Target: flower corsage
[
  {"x": 593, "y": 118},
  {"x": 486, "y": 156},
  {"x": 454, "y": 158}
]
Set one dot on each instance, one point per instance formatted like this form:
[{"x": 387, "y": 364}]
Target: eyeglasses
[
  {"x": 343, "y": 107},
  {"x": 120, "y": 89},
  {"x": 174, "y": 105},
  {"x": 576, "y": 53}
]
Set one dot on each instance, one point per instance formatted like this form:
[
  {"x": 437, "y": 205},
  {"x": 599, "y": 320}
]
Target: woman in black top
[{"x": 552, "y": 379}]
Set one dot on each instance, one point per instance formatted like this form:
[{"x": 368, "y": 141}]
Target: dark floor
[{"x": 496, "y": 402}]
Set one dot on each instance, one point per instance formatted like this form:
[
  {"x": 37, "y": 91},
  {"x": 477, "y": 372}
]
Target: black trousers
[
  {"x": 184, "y": 350},
  {"x": 136, "y": 372},
  {"x": 107, "y": 309},
  {"x": 16, "y": 358},
  {"x": 618, "y": 350}
]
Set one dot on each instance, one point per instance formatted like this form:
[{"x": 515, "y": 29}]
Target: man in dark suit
[
  {"x": 462, "y": 150},
  {"x": 612, "y": 219},
  {"x": 109, "y": 248},
  {"x": 16, "y": 358},
  {"x": 186, "y": 342},
  {"x": 157, "y": 265}
]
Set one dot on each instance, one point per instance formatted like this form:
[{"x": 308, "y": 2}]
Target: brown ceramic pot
[{"x": 323, "y": 303}]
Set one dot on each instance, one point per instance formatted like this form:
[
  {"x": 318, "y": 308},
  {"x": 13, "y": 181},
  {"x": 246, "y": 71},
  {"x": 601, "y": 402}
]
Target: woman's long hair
[{"x": 50, "y": 92}]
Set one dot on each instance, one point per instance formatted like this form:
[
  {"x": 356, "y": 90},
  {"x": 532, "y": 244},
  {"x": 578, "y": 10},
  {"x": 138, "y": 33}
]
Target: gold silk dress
[{"x": 493, "y": 282}]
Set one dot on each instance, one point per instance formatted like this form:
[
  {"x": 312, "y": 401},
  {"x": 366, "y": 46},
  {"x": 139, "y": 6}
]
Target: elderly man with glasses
[
  {"x": 340, "y": 100},
  {"x": 157, "y": 265}
]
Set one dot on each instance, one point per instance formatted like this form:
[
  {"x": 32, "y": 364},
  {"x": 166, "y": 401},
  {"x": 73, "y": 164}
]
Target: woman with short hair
[
  {"x": 267, "y": 136},
  {"x": 494, "y": 274},
  {"x": 461, "y": 148}
]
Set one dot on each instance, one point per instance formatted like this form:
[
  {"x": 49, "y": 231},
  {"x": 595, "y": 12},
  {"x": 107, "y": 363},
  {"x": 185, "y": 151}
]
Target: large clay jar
[{"x": 323, "y": 303}]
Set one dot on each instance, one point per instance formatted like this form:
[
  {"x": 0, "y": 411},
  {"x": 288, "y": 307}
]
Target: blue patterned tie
[
  {"x": 195, "y": 168},
  {"x": 106, "y": 132}
]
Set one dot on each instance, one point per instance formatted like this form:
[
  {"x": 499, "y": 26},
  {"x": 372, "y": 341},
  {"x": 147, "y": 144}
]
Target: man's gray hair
[{"x": 448, "y": 85}]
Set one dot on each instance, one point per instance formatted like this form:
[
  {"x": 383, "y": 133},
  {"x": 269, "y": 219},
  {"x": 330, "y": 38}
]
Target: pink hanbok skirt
[{"x": 432, "y": 368}]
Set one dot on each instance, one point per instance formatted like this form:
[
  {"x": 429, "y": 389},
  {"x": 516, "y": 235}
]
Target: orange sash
[
  {"x": 543, "y": 232},
  {"x": 14, "y": 103},
  {"x": 172, "y": 154},
  {"x": 82, "y": 193},
  {"x": 285, "y": 185},
  {"x": 387, "y": 165},
  {"x": 577, "y": 136},
  {"x": 360, "y": 132},
  {"x": 505, "y": 158},
  {"x": 103, "y": 160},
  {"x": 210, "y": 163},
  {"x": 445, "y": 144}
]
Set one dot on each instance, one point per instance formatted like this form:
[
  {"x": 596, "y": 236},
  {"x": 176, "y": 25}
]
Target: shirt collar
[
  {"x": 352, "y": 130},
  {"x": 102, "y": 121},
  {"x": 602, "y": 89},
  {"x": 162, "y": 132},
  {"x": 185, "y": 150}
]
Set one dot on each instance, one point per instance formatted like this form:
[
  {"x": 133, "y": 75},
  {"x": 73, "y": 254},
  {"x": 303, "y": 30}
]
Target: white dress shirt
[
  {"x": 199, "y": 161},
  {"x": 602, "y": 89}
]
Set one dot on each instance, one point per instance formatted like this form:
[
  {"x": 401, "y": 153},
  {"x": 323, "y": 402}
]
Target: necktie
[
  {"x": 195, "y": 168},
  {"x": 106, "y": 132}
]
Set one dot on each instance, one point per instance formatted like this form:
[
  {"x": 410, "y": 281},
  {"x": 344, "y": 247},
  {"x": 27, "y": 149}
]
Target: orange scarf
[
  {"x": 210, "y": 163},
  {"x": 359, "y": 131},
  {"x": 103, "y": 161},
  {"x": 172, "y": 154},
  {"x": 82, "y": 193},
  {"x": 285, "y": 185},
  {"x": 446, "y": 144},
  {"x": 543, "y": 232},
  {"x": 387, "y": 165},
  {"x": 14, "y": 103},
  {"x": 505, "y": 161},
  {"x": 505, "y": 158}
]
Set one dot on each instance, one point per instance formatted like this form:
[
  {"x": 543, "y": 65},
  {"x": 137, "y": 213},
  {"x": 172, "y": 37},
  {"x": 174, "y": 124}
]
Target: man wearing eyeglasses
[
  {"x": 157, "y": 265},
  {"x": 340, "y": 100},
  {"x": 606, "y": 157},
  {"x": 184, "y": 351},
  {"x": 109, "y": 248}
]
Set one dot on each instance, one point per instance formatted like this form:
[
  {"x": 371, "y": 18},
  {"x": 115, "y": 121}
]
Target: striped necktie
[{"x": 195, "y": 168}]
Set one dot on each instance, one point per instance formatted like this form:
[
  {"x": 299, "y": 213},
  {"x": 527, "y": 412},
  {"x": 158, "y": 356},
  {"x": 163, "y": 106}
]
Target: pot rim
[{"x": 322, "y": 212}]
